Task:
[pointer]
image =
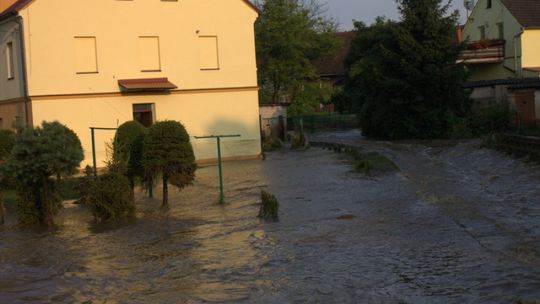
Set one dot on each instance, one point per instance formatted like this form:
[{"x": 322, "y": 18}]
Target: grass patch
[{"x": 371, "y": 163}]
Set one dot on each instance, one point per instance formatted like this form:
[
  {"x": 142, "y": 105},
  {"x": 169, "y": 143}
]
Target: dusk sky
[{"x": 367, "y": 10}]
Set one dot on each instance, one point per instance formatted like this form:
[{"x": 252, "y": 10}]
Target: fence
[
  {"x": 323, "y": 122},
  {"x": 519, "y": 145}
]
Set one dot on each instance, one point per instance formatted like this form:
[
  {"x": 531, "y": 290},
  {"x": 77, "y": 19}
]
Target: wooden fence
[{"x": 519, "y": 145}]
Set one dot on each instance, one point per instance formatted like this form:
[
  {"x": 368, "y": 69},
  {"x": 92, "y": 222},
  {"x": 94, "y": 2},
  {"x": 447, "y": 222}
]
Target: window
[
  {"x": 208, "y": 50},
  {"x": 144, "y": 113},
  {"x": 488, "y": 4},
  {"x": 482, "y": 30},
  {"x": 9, "y": 61},
  {"x": 85, "y": 55},
  {"x": 149, "y": 58},
  {"x": 500, "y": 28}
]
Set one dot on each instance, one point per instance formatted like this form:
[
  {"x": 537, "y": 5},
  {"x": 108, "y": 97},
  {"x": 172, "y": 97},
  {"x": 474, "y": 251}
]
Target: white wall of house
[
  {"x": 216, "y": 113},
  {"x": 180, "y": 27},
  {"x": 76, "y": 51}
]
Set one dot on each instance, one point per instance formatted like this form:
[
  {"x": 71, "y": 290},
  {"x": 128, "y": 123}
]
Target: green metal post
[
  {"x": 94, "y": 152},
  {"x": 221, "y": 195},
  {"x": 218, "y": 139}
]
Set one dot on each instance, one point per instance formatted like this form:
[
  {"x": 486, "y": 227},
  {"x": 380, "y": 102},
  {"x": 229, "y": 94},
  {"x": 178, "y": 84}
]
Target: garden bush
[
  {"x": 7, "y": 141},
  {"x": 127, "y": 150},
  {"x": 110, "y": 198},
  {"x": 167, "y": 151},
  {"x": 49, "y": 150}
]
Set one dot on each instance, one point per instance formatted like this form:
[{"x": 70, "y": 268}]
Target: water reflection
[{"x": 395, "y": 246}]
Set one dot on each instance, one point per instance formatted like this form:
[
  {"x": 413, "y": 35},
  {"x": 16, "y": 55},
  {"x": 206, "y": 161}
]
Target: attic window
[{"x": 488, "y": 4}]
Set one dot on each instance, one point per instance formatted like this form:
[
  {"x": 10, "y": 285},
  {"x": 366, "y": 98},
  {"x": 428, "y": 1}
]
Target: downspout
[
  {"x": 516, "y": 37},
  {"x": 24, "y": 73}
]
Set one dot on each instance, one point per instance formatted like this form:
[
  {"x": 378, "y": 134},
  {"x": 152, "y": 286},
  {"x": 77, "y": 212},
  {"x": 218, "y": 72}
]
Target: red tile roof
[
  {"x": 19, "y": 4},
  {"x": 527, "y": 12},
  {"x": 334, "y": 65},
  {"x": 146, "y": 84}
]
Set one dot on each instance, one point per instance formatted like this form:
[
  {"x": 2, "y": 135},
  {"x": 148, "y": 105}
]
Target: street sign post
[
  {"x": 92, "y": 130},
  {"x": 218, "y": 140}
]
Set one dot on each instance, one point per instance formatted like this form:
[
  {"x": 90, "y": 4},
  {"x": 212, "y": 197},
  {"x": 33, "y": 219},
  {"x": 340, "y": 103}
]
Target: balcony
[{"x": 482, "y": 52}]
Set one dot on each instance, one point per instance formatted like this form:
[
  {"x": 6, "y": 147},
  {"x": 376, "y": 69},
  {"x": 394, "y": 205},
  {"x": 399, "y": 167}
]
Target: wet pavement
[{"x": 457, "y": 224}]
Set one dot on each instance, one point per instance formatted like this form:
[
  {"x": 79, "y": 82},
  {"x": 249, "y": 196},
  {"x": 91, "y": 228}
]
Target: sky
[{"x": 344, "y": 11}]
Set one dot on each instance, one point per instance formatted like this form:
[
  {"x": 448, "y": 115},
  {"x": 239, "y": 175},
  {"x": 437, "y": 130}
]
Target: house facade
[
  {"x": 104, "y": 62},
  {"x": 503, "y": 39}
]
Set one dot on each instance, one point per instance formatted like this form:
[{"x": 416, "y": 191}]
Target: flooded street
[{"x": 457, "y": 224}]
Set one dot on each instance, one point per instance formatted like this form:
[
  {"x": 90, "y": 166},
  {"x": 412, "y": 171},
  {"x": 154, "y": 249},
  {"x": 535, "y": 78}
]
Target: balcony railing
[{"x": 484, "y": 51}]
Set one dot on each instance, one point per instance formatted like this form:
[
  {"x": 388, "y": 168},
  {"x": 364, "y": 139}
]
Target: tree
[
  {"x": 290, "y": 36},
  {"x": 403, "y": 79},
  {"x": 7, "y": 141},
  {"x": 127, "y": 150},
  {"x": 167, "y": 150},
  {"x": 39, "y": 154}
]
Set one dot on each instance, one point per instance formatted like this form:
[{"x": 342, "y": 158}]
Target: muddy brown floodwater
[{"x": 458, "y": 224}]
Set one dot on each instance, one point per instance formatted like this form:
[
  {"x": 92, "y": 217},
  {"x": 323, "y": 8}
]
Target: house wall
[
  {"x": 272, "y": 111},
  {"x": 11, "y": 90},
  {"x": 217, "y": 99},
  {"x": 202, "y": 113},
  {"x": 52, "y": 25},
  {"x": 481, "y": 16},
  {"x": 530, "y": 40},
  {"x": 489, "y": 96}
]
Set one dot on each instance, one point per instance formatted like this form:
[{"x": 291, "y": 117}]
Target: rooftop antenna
[{"x": 469, "y": 6}]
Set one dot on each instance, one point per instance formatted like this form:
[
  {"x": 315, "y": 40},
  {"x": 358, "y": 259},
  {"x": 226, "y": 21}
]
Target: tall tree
[
  {"x": 167, "y": 151},
  {"x": 403, "y": 77},
  {"x": 290, "y": 36}
]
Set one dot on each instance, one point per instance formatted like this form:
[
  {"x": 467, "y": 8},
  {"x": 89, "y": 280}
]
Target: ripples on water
[{"x": 396, "y": 248}]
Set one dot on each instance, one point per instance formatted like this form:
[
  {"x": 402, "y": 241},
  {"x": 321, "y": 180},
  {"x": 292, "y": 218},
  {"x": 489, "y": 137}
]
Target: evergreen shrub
[{"x": 110, "y": 198}]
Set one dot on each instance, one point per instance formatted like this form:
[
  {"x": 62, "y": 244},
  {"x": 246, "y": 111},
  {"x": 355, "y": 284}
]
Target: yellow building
[{"x": 103, "y": 62}]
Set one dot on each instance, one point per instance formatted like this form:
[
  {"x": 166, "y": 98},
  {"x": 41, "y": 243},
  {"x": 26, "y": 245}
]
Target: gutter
[
  {"x": 24, "y": 73},
  {"x": 516, "y": 36}
]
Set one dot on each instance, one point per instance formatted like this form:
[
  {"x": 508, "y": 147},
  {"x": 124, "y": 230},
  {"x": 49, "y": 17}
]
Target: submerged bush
[
  {"x": 272, "y": 143},
  {"x": 371, "y": 162},
  {"x": 39, "y": 154},
  {"x": 110, "y": 198},
  {"x": 269, "y": 207}
]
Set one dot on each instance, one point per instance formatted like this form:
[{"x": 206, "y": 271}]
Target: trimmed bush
[
  {"x": 269, "y": 207},
  {"x": 50, "y": 150},
  {"x": 127, "y": 150},
  {"x": 110, "y": 198},
  {"x": 167, "y": 151}
]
